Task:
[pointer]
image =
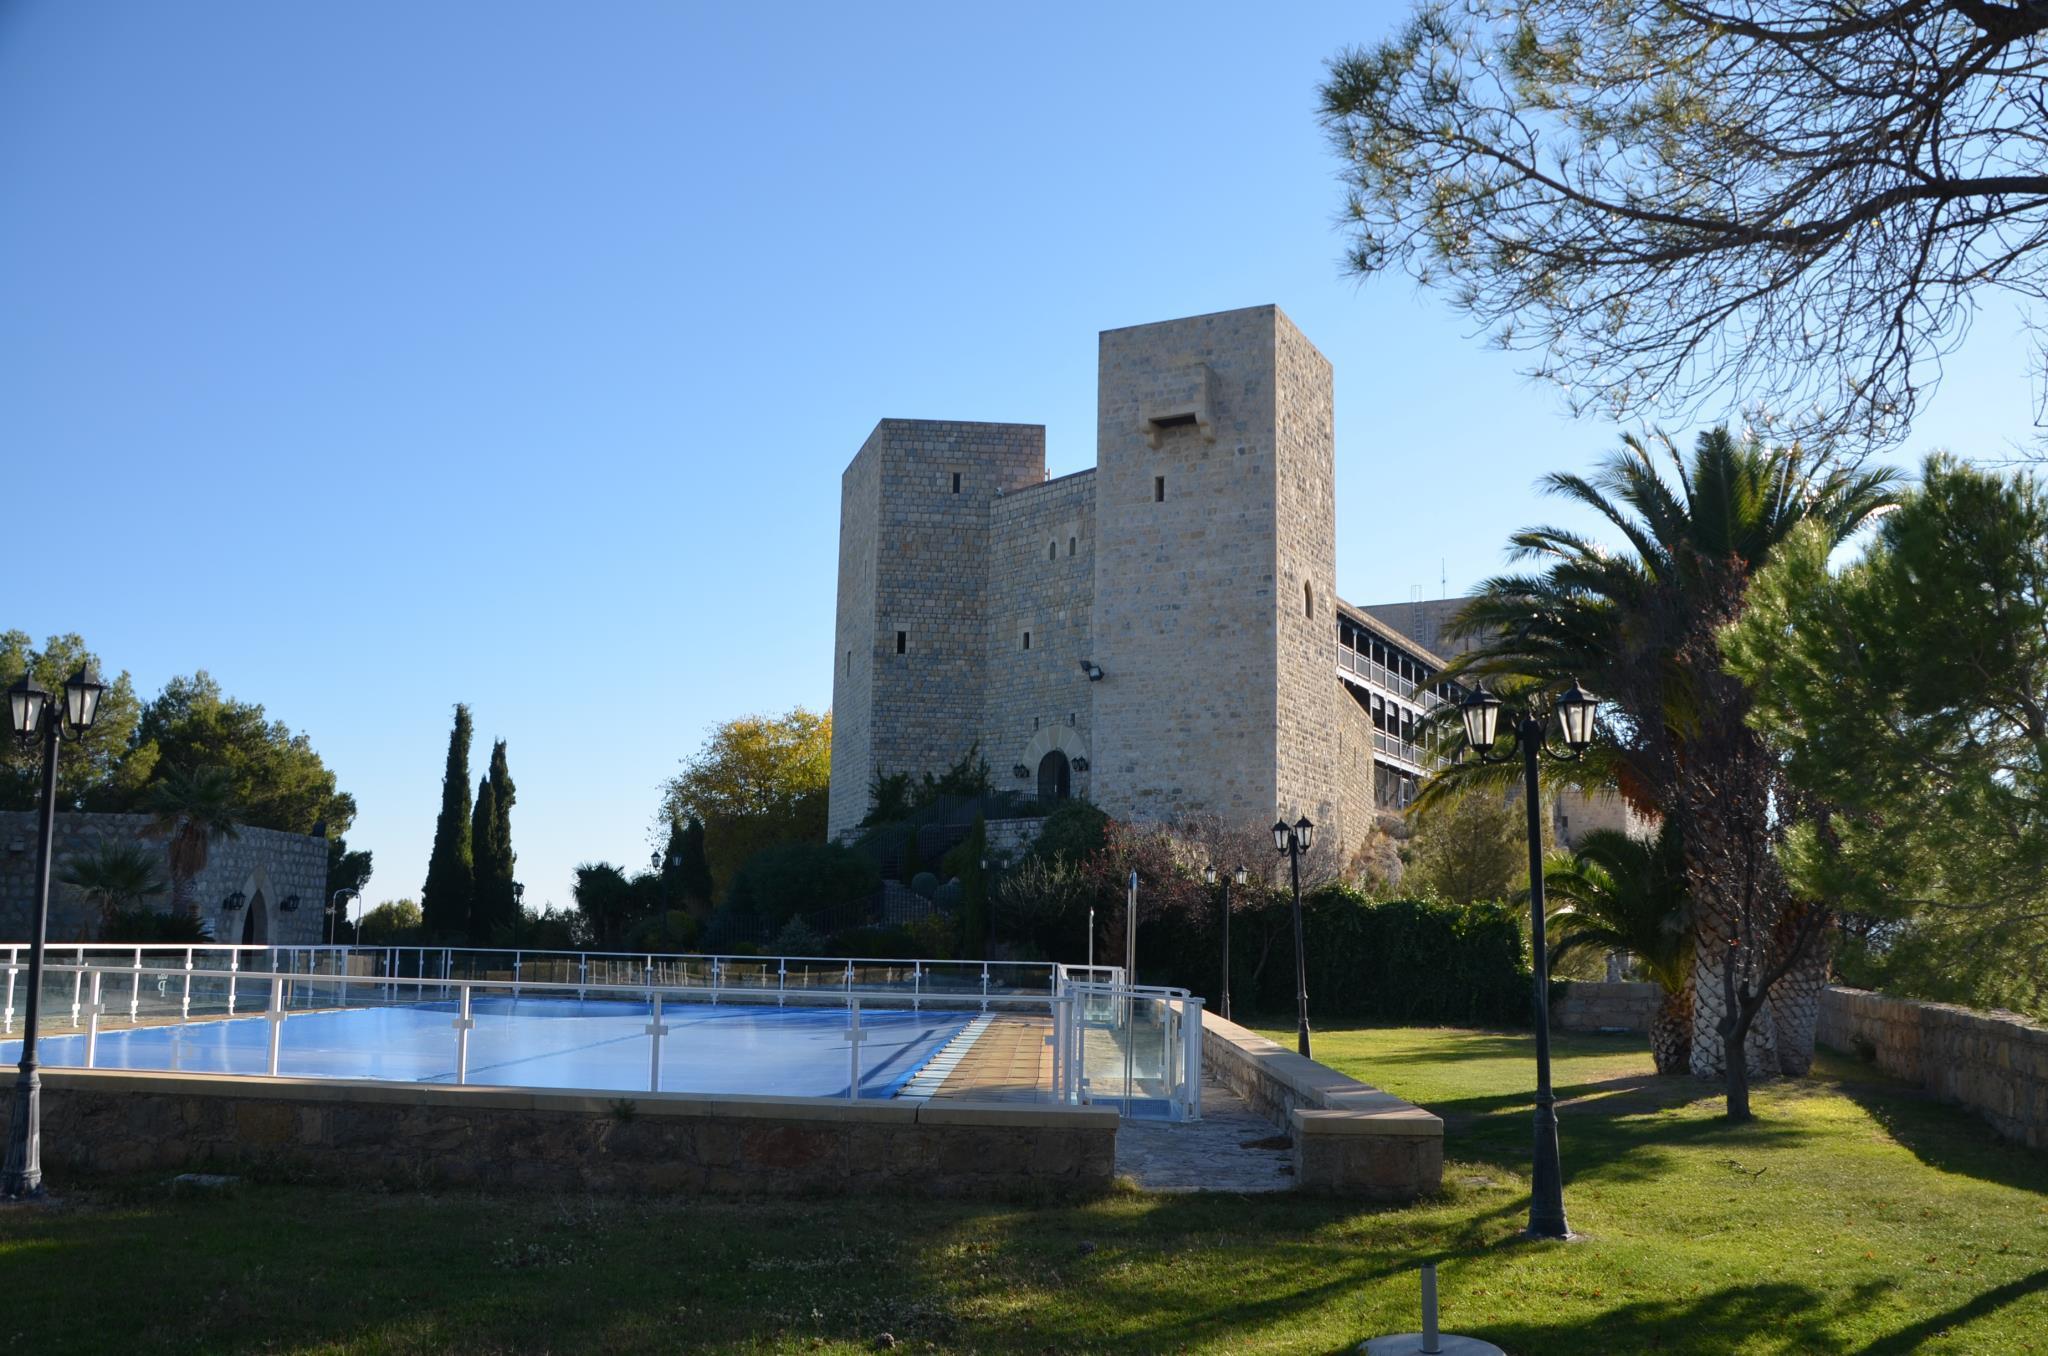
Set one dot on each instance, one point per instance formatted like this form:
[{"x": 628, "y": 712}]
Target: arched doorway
[
  {"x": 1055, "y": 778},
  {"x": 255, "y": 922}
]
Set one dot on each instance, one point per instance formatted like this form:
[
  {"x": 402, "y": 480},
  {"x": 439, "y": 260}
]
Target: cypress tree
[
  {"x": 445, "y": 898},
  {"x": 974, "y": 893},
  {"x": 688, "y": 866},
  {"x": 483, "y": 837},
  {"x": 494, "y": 890}
]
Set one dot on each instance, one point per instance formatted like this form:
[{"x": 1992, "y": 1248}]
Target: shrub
[
  {"x": 926, "y": 884},
  {"x": 147, "y": 925},
  {"x": 1403, "y": 961},
  {"x": 780, "y": 882},
  {"x": 798, "y": 938},
  {"x": 1071, "y": 833}
]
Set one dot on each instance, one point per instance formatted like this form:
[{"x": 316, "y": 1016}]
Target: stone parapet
[
  {"x": 1349, "y": 1137},
  {"x": 1995, "y": 1063},
  {"x": 514, "y": 1139},
  {"x": 1581, "y": 1005}
]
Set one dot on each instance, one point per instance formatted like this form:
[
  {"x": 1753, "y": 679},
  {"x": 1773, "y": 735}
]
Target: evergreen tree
[
  {"x": 496, "y": 908},
  {"x": 974, "y": 893},
  {"x": 444, "y": 899},
  {"x": 483, "y": 837},
  {"x": 687, "y": 867}
]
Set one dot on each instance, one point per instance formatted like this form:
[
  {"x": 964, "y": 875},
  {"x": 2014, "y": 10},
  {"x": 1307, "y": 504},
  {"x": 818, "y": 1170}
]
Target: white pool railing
[{"x": 1131, "y": 1046}]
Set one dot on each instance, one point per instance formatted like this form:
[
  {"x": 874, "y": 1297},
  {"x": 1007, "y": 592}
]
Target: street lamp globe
[
  {"x": 82, "y": 693},
  {"x": 1575, "y": 713},
  {"x": 1306, "y": 832},
  {"x": 1279, "y": 835},
  {"x": 1239, "y": 878},
  {"x": 1209, "y": 874},
  {"x": 1481, "y": 713},
  {"x": 25, "y": 702}
]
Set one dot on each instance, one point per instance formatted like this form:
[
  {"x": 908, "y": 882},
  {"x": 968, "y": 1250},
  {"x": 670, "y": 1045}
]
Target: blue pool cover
[{"x": 544, "y": 1043}]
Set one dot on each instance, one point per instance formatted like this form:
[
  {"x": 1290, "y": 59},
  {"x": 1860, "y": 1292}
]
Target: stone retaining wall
[
  {"x": 411, "y": 1134},
  {"x": 1599, "y": 1006},
  {"x": 1348, "y": 1137},
  {"x": 1994, "y": 1063}
]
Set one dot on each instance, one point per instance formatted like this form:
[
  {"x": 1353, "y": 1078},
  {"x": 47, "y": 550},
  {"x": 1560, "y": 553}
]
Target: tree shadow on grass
[
  {"x": 1948, "y": 1137},
  {"x": 1910, "y": 1338},
  {"x": 1722, "y": 1320}
]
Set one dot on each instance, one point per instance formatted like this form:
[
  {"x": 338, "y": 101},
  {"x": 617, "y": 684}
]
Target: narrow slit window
[
  {"x": 956, "y": 482},
  {"x": 1158, "y": 489},
  {"x": 1027, "y": 640},
  {"x": 1052, "y": 550},
  {"x": 1308, "y": 599},
  {"x": 849, "y": 663},
  {"x": 902, "y": 642},
  {"x": 1070, "y": 546}
]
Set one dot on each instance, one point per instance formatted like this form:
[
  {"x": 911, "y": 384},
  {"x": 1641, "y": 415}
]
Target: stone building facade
[
  {"x": 1161, "y": 633},
  {"x": 282, "y": 878}
]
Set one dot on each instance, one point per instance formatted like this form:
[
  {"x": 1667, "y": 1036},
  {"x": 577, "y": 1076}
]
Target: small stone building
[{"x": 282, "y": 878}]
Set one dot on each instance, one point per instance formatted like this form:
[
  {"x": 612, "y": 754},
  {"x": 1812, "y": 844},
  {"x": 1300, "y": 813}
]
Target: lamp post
[
  {"x": 1238, "y": 877},
  {"x": 1295, "y": 839},
  {"x": 34, "y": 720},
  {"x": 1529, "y": 733},
  {"x": 334, "y": 912}
]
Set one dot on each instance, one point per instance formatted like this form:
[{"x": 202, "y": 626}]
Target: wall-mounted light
[
  {"x": 1080, "y": 765},
  {"x": 289, "y": 904},
  {"x": 234, "y": 901},
  {"x": 1020, "y": 772},
  {"x": 1092, "y": 669}
]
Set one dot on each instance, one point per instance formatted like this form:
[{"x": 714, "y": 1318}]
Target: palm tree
[
  {"x": 192, "y": 811},
  {"x": 1639, "y": 627},
  {"x": 1618, "y": 893},
  {"x": 116, "y": 875}
]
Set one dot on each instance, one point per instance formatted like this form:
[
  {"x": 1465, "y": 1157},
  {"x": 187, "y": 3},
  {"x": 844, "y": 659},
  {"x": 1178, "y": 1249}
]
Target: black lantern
[
  {"x": 1481, "y": 711},
  {"x": 1279, "y": 835},
  {"x": 289, "y": 904},
  {"x": 1020, "y": 772},
  {"x": 1575, "y": 713},
  {"x": 234, "y": 901},
  {"x": 25, "y": 702},
  {"x": 82, "y": 693},
  {"x": 1209, "y": 874},
  {"x": 1240, "y": 876},
  {"x": 1306, "y": 832}
]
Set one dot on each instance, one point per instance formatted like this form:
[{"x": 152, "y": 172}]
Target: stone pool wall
[
  {"x": 1348, "y": 1137},
  {"x": 506, "y": 1139}
]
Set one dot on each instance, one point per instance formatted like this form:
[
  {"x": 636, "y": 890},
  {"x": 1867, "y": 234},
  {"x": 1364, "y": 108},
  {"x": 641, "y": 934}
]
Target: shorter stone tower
[{"x": 912, "y": 638}]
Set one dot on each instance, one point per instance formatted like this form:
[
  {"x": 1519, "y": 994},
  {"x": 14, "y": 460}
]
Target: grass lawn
[{"x": 1854, "y": 1217}]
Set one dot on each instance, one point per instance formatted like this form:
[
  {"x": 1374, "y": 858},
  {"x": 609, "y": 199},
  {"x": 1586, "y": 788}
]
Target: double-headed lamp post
[
  {"x": 1295, "y": 839},
  {"x": 1530, "y": 732},
  {"x": 34, "y": 720},
  {"x": 1210, "y": 877}
]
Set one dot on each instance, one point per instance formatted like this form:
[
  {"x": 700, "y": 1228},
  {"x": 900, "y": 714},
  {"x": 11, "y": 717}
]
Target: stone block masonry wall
[
  {"x": 924, "y": 704},
  {"x": 265, "y": 865},
  {"x": 1994, "y": 1063},
  {"x": 1599, "y": 1006},
  {"x": 511, "y": 1140},
  {"x": 1041, "y": 578},
  {"x": 1184, "y": 621},
  {"x": 1349, "y": 1137},
  {"x": 1305, "y": 583},
  {"x": 854, "y": 646}
]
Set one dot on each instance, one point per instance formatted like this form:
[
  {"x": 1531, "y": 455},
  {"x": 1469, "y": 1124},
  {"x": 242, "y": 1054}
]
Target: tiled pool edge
[
  {"x": 1349, "y": 1137},
  {"x": 515, "y": 1139}
]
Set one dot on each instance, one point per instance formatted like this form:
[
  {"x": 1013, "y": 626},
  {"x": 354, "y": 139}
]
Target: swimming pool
[{"x": 545, "y": 1042}]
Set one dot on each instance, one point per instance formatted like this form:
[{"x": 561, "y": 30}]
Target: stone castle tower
[{"x": 1158, "y": 634}]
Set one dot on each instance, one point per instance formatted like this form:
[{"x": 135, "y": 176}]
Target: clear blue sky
[{"x": 376, "y": 356}]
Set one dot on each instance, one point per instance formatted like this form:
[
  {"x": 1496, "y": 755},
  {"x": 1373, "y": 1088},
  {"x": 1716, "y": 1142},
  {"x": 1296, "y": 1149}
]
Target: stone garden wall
[
  {"x": 508, "y": 1139},
  {"x": 1348, "y": 1137},
  {"x": 266, "y": 866},
  {"x": 1994, "y": 1063},
  {"x": 1579, "y": 1005}
]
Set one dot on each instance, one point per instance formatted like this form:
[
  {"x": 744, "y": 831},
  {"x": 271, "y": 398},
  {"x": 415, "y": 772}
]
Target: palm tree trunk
[
  {"x": 1711, "y": 1009},
  {"x": 1795, "y": 1008},
  {"x": 183, "y": 897}
]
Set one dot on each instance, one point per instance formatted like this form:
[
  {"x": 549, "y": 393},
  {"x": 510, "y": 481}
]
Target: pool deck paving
[{"x": 1232, "y": 1148}]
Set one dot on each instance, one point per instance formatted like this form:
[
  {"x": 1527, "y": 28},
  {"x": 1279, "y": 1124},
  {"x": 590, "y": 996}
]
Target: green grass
[{"x": 1853, "y": 1217}]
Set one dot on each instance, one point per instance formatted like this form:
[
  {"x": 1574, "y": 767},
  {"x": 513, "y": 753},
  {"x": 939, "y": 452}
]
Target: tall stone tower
[
  {"x": 1214, "y": 616},
  {"x": 911, "y": 647}
]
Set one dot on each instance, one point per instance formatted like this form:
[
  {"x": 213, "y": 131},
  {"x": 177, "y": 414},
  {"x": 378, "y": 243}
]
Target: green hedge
[{"x": 1410, "y": 961}]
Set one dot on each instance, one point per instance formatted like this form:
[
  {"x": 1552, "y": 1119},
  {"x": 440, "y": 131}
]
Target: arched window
[{"x": 1052, "y": 550}]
